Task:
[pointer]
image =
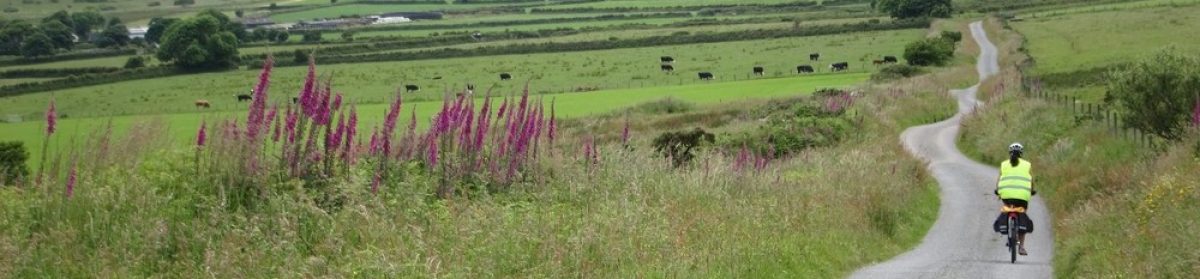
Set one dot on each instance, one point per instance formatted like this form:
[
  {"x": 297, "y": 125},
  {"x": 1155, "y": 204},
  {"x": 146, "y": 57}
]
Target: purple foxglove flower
[
  {"x": 202, "y": 135},
  {"x": 51, "y": 118}
]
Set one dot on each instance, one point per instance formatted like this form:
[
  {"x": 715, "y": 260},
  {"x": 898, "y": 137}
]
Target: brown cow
[
  {"x": 878, "y": 62},
  {"x": 202, "y": 104}
]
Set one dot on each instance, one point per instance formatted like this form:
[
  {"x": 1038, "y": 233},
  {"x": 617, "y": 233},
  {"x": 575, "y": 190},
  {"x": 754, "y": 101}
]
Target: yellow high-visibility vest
[{"x": 1015, "y": 182}]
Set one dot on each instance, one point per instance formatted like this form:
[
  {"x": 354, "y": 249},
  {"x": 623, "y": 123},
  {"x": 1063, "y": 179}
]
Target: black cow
[
  {"x": 505, "y": 76},
  {"x": 804, "y": 69},
  {"x": 667, "y": 68},
  {"x": 706, "y": 76},
  {"x": 890, "y": 59},
  {"x": 295, "y": 100},
  {"x": 437, "y": 77},
  {"x": 244, "y": 97},
  {"x": 412, "y": 88},
  {"x": 814, "y": 57},
  {"x": 839, "y": 66},
  {"x": 470, "y": 87},
  {"x": 758, "y": 70},
  {"x": 667, "y": 59}
]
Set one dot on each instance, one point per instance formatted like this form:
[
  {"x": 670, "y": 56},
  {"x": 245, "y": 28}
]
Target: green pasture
[
  {"x": 11, "y": 81},
  {"x": 547, "y": 73},
  {"x": 183, "y": 126},
  {"x": 369, "y": 9},
  {"x": 1089, "y": 40},
  {"x": 113, "y": 61},
  {"x": 127, "y": 10},
  {"x": 1084, "y": 8},
  {"x": 665, "y": 3}
]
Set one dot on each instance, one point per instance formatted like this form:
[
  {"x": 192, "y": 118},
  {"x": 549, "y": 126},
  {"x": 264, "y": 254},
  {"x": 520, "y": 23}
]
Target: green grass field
[
  {"x": 137, "y": 11},
  {"x": 1086, "y": 40},
  {"x": 371, "y": 9},
  {"x": 114, "y": 61},
  {"x": 666, "y": 3},
  {"x": 183, "y": 125},
  {"x": 548, "y": 73}
]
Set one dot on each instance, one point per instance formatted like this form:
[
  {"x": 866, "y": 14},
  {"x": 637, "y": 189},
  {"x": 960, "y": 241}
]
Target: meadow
[
  {"x": 369, "y": 9},
  {"x": 1079, "y": 42},
  {"x": 137, "y": 11},
  {"x": 546, "y": 73}
]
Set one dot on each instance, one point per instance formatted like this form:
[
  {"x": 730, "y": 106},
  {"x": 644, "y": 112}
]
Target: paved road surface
[{"x": 961, "y": 243}]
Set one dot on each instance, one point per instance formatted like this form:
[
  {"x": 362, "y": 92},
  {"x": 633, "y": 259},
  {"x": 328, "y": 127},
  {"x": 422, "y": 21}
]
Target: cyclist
[{"x": 1015, "y": 188}]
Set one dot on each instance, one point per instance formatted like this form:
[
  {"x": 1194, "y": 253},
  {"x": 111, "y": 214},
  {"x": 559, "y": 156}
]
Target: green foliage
[
  {"x": 115, "y": 35},
  {"x": 58, "y": 33},
  {"x": 12, "y": 161},
  {"x": 929, "y": 52},
  {"x": 84, "y": 22},
  {"x": 892, "y": 72},
  {"x": 184, "y": 2},
  {"x": 953, "y": 36},
  {"x": 681, "y": 146},
  {"x": 348, "y": 35},
  {"x": 1157, "y": 94},
  {"x": 312, "y": 36},
  {"x": 795, "y": 125},
  {"x": 199, "y": 43},
  {"x": 55, "y": 72},
  {"x": 300, "y": 56},
  {"x": 13, "y": 35},
  {"x": 915, "y": 8},
  {"x": 157, "y": 27},
  {"x": 665, "y": 106},
  {"x": 135, "y": 62},
  {"x": 37, "y": 45},
  {"x": 239, "y": 13},
  {"x": 60, "y": 17}
]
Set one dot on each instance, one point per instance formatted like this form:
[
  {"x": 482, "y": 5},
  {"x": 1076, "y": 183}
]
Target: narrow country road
[{"x": 961, "y": 243}]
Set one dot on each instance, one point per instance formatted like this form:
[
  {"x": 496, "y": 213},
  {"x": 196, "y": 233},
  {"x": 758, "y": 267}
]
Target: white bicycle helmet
[{"x": 1016, "y": 147}]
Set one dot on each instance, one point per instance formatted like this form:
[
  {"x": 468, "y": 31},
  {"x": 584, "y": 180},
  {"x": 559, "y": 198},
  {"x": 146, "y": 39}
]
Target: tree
[
  {"x": 184, "y": 2},
  {"x": 61, "y": 17},
  {"x": 157, "y": 27},
  {"x": 114, "y": 36},
  {"x": 915, "y": 8},
  {"x": 929, "y": 52},
  {"x": 135, "y": 62},
  {"x": 13, "y": 34},
  {"x": 199, "y": 43},
  {"x": 300, "y": 56},
  {"x": 113, "y": 21},
  {"x": 1157, "y": 94},
  {"x": 953, "y": 36},
  {"x": 37, "y": 45},
  {"x": 239, "y": 13},
  {"x": 281, "y": 37},
  {"x": 348, "y": 35},
  {"x": 61, "y": 35},
  {"x": 84, "y": 22},
  {"x": 311, "y": 36}
]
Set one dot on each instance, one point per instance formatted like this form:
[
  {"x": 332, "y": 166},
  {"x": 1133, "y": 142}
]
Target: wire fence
[{"x": 1084, "y": 111}]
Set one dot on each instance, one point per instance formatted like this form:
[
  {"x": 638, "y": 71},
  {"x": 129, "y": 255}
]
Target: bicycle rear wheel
[{"x": 1012, "y": 239}]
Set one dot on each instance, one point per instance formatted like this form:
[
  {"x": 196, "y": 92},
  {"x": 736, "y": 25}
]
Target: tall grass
[
  {"x": 1120, "y": 209},
  {"x": 293, "y": 192}
]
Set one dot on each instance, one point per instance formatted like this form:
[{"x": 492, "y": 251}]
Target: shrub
[
  {"x": 184, "y": 2},
  {"x": 953, "y": 36},
  {"x": 896, "y": 72},
  {"x": 665, "y": 106},
  {"x": 12, "y": 161},
  {"x": 816, "y": 122},
  {"x": 929, "y": 52},
  {"x": 312, "y": 36},
  {"x": 135, "y": 62},
  {"x": 915, "y": 8},
  {"x": 11, "y": 9},
  {"x": 680, "y": 145},
  {"x": 154, "y": 4},
  {"x": 1157, "y": 94}
]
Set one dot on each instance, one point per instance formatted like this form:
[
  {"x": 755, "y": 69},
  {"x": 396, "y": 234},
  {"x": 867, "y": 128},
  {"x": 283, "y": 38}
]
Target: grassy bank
[{"x": 1121, "y": 209}]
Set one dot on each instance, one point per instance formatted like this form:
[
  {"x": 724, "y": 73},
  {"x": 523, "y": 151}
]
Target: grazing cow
[
  {"x": 505, "y": 76},
  {"x": 667, "y": 59},
  {"x": 412, "y": 88},
  {"x": 758, "y": 70},
  {"x": 802, "y": 69},
  {"x": 202, "y": 104},
  {"x": 295, "y": 100},
  {"x": 839, "y": 66},
  {"x": 706, "y": 76},
  {"x": 890, "y": 59},
  {"x": 470, "y": 87},
  {"x": 437, "y": 77},
  {"x": 877, "y": 62},
  {"x": 244, "y": 97},
  {"x": 814, "y": 57},
  {"x": 668, "y": 68}
]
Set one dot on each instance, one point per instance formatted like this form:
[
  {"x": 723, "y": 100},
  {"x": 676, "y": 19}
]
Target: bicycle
[{"x": 1012, "y": 229}]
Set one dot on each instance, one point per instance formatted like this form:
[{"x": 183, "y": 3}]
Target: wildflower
[
  {"x": 433, "y": 153},
  {"x": 201, "y": 136},
  {"x": 351, "y": 130},
  {"x": 71, "y": 177},
  {"x": 337, "y": 102},
  {"x": 375, "y": 183},
  {"x": 255, "y": 119},
  {"x": 553, "y": 129},
  {"x": 51, "y": 118},
  {"x": 306, "y": 93},
  {"x": 292, "y": 117}
]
